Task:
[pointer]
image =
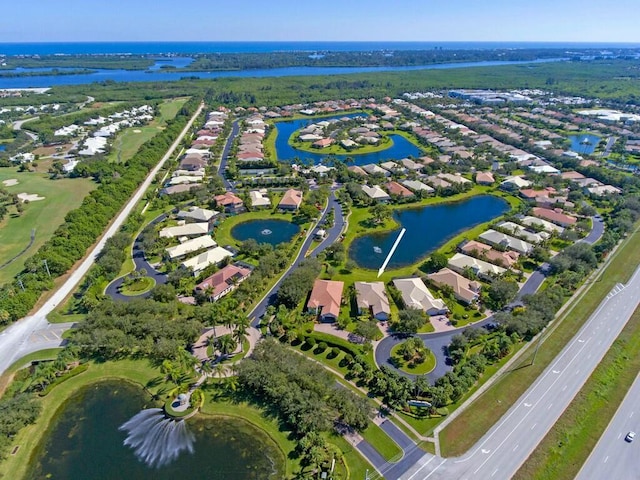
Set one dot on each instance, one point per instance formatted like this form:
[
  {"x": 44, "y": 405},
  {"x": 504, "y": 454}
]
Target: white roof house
[
  {"x": 417, "y": 185},
  {"x": 519, "y": 231},
  {"x": 415, "y": 294},
  {"x": 459, "y": 262},
  {"x": 198, "y": 214},
  {"x": 548, "y": 169},
  {"x": 493, "y": 237},
  {"x": 515, "y": 183},
  {"x": 259, "y": 198},
  {"x": 210, "y": 257},
  {"x": 183, "y": 179},
  {"x": 372, "y": 168},
  {"x": 376, "y": 193},
  {"x": 539, "y": 222},
  {"x": 602, "y": 190},
  {"x": 188, "y": 230},
  {"x": 190, "y": 246},
  {"x": 453, "y": 178}
]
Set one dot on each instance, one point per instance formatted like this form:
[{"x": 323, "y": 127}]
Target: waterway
[
  {"x": 401, "y": 147},
  {"x": 584, "y": 144},
  {"x": 84, "y": 442},
  {"x": 428, "y": 228},
  {"x": 159, "y": 75},
  {"x": 273, "y": 232}
]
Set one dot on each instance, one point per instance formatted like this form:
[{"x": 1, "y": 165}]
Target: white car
[{"x": 630, "y": 436}]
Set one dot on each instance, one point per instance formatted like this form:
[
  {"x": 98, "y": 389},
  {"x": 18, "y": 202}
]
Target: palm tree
[{"x": 226, "y": 344}]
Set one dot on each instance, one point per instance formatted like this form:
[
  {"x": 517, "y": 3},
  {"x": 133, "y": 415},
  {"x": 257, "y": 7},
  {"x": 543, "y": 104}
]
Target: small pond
[
  {"x": 584, "y": 144},
  {"x": 269, "y": 231},
  {"x": 3, "y": 147},
  {"x": 428, "y": 228},
  {"x": 401, "y": 147},
  {"x": 84, "y": 442}
]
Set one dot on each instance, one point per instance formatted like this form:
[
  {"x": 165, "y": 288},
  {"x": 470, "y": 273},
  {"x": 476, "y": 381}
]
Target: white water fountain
[
  {"x": 266, "y": 231},
  {"x": 156, "y": 439}
]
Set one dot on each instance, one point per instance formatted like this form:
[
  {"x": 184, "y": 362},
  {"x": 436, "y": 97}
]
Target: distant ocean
[{"x": 159, "y": 48}]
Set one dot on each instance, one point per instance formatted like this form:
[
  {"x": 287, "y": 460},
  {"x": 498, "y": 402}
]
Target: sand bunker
[
  {"x": 29, "y": 197},
  {"x": 10, "y": 182},
  {"x": 137, "y": 131}
]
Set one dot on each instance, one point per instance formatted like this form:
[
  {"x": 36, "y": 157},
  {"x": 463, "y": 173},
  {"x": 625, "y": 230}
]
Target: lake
[
  {"x": 584, "y": 144},
  {"x": 269, "y": 231},
  {"x": 401, "y": 147},
  {"x": 102, "y": 75},
  {"x": 428, "y": 228},
  {"x": 84, "y": 443}
]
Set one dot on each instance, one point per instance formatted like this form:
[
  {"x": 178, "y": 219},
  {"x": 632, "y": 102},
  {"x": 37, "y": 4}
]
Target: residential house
[
  {"x": 206, "y": 259},
  {"x": 485, "y": 178},
  {"x": 415, "y": 294},
  {"x": 259, "y": 199},
  {"x": 514, "y": 183},
  {"x": 603, "y": 190},
  {"x": 190, "y": 246},
  {"x": 176, "y": 189},
  {"x": 185, "y": 230},
  {"x": 520, "y": 232},
  {"x": 193, "y": 162},
  {"x": 376, "y": 193},
  {"x": 323, "y": 143},
  {"x": 394, "y": 188},
  {"x": 222, "y": 282},
  {"x": 229, "y": 202},
  {"x": 325, "y": 299},
  {"x": 372, "y": 298},
  {"x": 437, "y": 182},
  {"x": 417, "y": 185},
  {"x": 540, "y": 223},
  {"x": 410, "y": 164},
  {"x": 556, "y": 216},
  {"x": 372, "y": 168},
  {"x": 357, "y": 170},
  {"x": 480, "y": 250},
  {"x": 465, "y": 290},
  {"x": 197, "y": 214},
  {"x": 291, "y": 200},
  {"x": 493, "y": 237},
  {"x": 453, "y": 179},
  {"x": 485, "y": 270}
]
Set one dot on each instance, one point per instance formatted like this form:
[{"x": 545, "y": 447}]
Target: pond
[
  {"x": 3, "y": 147},
  {"x": 584, "y": 144},
  {"x": 84, "y": 442},
  {"x": 428, "y": 228},
  {"x": 271, "y": 231},
  {"x": 401, "y": 147}
]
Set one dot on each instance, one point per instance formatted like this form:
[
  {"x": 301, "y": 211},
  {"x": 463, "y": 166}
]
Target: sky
[{"x": 323, "y": 20}]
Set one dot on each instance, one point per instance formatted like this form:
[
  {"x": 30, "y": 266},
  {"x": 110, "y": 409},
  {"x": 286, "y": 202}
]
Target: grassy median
[
  {"x": 568, "y": 444},
  {"x": 462, "y": 433}
]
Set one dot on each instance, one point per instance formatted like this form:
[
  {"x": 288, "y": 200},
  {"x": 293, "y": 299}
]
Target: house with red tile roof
[
  {"x": 485, "y": 178},
  {"x": 222, "y": 282},
  {"x": 556, "y": 216},
  {"x": 291, "y": 200},
  {"x": 394, "y": 188},
  {"x": 325, "y": 299},
  {"x": 323, "y": 143},
  {"x": 229, "y": 202},
  {"x": 531, "y": 194}
]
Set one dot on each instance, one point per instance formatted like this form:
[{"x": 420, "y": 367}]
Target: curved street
[{"x": 439, "y": 342}]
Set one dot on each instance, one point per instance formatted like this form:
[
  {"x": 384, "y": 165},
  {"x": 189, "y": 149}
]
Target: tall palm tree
[{"x": 226, "y": 344}]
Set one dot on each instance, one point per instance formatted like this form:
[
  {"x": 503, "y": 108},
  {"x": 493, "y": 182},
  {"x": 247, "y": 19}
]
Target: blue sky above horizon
[{"x": 329, "y": 20}]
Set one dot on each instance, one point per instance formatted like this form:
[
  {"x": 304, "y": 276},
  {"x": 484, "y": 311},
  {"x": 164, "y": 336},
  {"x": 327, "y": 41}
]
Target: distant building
[
  {"x": 291, "y": 200},
  {"x": 325, "y": 299},
  {"x": 222, "y": 282},
  {"x": 230, "y": 202}
]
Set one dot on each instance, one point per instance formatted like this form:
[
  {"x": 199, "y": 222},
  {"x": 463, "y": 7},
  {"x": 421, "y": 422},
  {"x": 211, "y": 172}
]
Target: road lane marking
[
  {"x": 432, "y": 471},
  {"x": 515, "y": 448},
  {"x": 564, "y": 388},
  {"x": 606, "y": 458},
  {"x": 495, "y": 471},
  {"x": 533, "y": 426},
  {"x": 418, "y": 471},
  {"x": 631, "y": 415},
  {"x": 549, "y": 407}
]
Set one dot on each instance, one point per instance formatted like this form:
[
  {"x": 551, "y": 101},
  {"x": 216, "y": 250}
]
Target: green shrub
[
  {"x": 322, "y": 346},
  {"x": 311, "y": 341}
]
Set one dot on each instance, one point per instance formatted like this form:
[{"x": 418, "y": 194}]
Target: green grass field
[
  {"x": 131, "y": 139},
  {"x": 468, "y": 428},
  {"x": 61, "y": 196}
]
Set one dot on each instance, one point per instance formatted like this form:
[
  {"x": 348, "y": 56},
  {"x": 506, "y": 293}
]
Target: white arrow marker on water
[{"x": 393, "y": 249}]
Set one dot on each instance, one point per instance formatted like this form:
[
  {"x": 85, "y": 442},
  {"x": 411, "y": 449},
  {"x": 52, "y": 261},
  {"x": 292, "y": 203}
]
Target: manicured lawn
[
  {"x": 413, "y": 368},
  {"x": 129, "y": 140},
  {"x": 469, "y": 427},
  {"x": 381, "y": 442},
  {"x": 138, "y": 286},
  {"x": 5, "y": 378},
  {"x": 45, "y": 216},
  {"x": 566, "y": 447}
]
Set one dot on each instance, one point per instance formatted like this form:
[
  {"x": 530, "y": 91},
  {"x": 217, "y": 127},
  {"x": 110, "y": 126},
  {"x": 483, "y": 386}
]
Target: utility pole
[
  {"x": 535, "y": 353},
  {"x": 46, "y": 265}
]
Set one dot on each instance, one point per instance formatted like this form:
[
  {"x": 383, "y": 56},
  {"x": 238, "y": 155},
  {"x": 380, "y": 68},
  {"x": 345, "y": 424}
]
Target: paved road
[
  {"x": 224, "y": 158},
  {"x": 14, "y": 340},
  {"x": 607, "y": 149},
  {"x": 613, "y": 457},
  {"x": 332, "y": 234},
  {"x": 140, "y": 261},
  {"x": 503, "y": 449},
  {"x": 17, "y": 125}
]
